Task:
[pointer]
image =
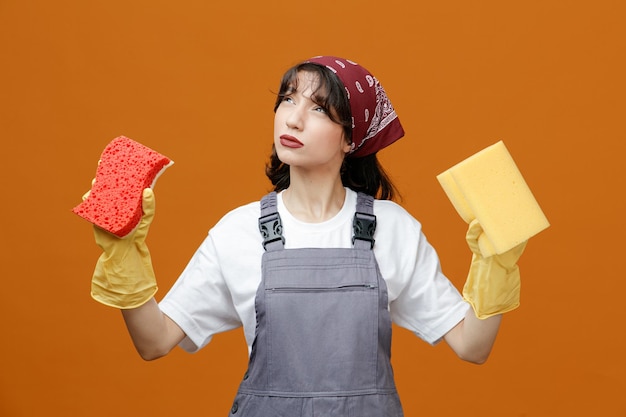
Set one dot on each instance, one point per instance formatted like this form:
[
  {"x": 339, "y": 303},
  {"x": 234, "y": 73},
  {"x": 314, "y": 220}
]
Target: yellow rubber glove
[
  {"x": 124, "y": 277},
  {"x": 493, "y": 283}
]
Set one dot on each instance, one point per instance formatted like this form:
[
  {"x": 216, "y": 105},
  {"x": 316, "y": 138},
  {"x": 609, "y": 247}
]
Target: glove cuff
[
  {"x": 492, "y": 289},
  {"x": 122, "y": 300},
  {"x": 122, "y": 285}
]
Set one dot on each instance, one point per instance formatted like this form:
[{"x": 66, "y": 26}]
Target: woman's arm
[
  {"x": 473, "y": 338},
  {"x": 153, "y": 333},
  {"x": 492, "y": 288}
]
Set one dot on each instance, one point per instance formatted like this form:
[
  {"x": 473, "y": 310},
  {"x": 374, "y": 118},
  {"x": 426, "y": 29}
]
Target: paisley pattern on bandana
[{"x": 375, "y": 123}]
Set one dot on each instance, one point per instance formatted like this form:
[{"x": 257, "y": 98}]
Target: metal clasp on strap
[
  {"x": 364, "y": 226},
  {"x": 271, "y": 229}
]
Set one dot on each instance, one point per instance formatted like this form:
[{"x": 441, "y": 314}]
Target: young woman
[{"x": 318, "y": 269}]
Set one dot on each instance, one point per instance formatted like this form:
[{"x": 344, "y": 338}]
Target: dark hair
[{"x": 364, "y": 174}]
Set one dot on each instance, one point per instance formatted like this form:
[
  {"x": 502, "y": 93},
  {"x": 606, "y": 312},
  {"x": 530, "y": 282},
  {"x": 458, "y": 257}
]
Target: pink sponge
[{"x": 126, "y": 167}]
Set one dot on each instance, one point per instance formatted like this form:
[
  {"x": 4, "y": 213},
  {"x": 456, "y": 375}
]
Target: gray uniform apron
[{"x": 323, "y": 332}]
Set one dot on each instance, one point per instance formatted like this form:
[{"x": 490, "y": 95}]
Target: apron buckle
[
  {"x": 271, "y": 229},
  {"x": 364, "y": 226}
]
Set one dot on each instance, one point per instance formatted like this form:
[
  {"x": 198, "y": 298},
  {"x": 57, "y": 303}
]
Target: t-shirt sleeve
[
  {"x": 422, "y": 298},
  {"x": 429, "y": 304},
  {"x": 199, "y": 302}
]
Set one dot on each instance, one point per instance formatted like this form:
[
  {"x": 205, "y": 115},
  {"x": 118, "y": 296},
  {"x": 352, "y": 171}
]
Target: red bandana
[{"x": 375, "y": 124}]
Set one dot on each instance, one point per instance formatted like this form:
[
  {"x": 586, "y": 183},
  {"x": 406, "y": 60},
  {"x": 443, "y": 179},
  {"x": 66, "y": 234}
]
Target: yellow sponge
[{"x": 489, "y": 187}]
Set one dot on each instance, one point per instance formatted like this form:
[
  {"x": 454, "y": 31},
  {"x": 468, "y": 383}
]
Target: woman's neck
[{"x": 313, "y": 201}]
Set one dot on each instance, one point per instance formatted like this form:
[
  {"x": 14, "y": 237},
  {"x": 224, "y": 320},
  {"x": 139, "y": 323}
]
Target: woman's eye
[
  {"x": 320, "y": 109},
  {"x": 288, "y": 99}
]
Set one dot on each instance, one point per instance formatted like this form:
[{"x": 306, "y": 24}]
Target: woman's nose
[{"x": 295, "y": 118}]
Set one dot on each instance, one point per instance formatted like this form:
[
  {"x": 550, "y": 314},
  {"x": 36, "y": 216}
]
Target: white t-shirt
[{"x": 216, "y": 290}]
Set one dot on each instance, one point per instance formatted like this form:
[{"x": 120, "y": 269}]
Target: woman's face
[{"x": 304, "y": 134}]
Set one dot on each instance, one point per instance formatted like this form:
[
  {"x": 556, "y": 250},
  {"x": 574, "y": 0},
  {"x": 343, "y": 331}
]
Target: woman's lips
[{"x": 290, "y": 141}]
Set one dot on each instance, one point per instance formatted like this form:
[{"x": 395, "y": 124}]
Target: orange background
[{"x": 194, "y": 80}]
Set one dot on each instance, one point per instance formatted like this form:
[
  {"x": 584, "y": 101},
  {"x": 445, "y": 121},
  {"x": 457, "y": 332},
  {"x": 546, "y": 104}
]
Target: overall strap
[
  {"x": 270, "y": 225},
  {"x": 364, "y": 223}
]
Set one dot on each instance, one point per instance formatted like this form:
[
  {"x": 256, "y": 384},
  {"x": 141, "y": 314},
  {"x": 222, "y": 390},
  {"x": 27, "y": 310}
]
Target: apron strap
[
  {"x": 364, "y": 222},
  {"x": 270, "y": 225}
]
